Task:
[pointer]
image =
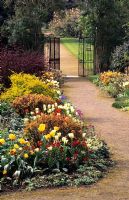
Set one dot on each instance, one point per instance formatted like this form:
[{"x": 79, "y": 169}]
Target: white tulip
[
  {"x": 56, "y": 104},
  {"x": 71, "y": 135},
  {"x": 36, "y": 109},
  {"x": 49, "y": 111},
  {"x": 56, "y": 137},
  {"x": 58, "y": 92},
  {"x": 37, "y": 150},
  {"x": 67, "y": 112},
  {"x": 44, "y": 107},
  {"x": 38, "y": 116},
  {"x": 34, "y": 117},
  {"x": 26, "y": 120},
  {"x": 83, "y": 135},
  {"x": 64, "y": 140},
  {"x": 32, "y": 113},
  {"x": 49, "y": 148},
  {"x": 49, "y": 106},
  {"x": 59, "y": 134}
]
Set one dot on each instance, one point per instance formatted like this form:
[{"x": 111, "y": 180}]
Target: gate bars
[
  {"x": 86, "y": 55},
  {"x": 52, "y": 52}
]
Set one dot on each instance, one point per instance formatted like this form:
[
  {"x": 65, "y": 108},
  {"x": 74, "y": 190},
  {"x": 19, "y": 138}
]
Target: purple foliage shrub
[{"x": 17, "y": 60}]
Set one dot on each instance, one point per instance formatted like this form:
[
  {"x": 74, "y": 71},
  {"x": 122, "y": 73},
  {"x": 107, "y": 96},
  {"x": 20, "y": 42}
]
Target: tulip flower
[
  {"x": 12, "y": 136},
  {"x": 41, "y": 127}
]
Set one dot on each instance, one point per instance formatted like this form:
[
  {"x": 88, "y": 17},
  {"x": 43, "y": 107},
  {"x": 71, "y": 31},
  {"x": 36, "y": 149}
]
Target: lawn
[{"x": 71, "y": 44}]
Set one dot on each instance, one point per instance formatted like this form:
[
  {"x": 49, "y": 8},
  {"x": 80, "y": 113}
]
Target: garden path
[
  {"x": 68, "y": 62},
  {"x": 113, "y": 126}
]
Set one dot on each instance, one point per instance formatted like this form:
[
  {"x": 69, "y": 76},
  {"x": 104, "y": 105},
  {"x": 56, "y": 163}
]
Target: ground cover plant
[{"x": 44, "y": 140}]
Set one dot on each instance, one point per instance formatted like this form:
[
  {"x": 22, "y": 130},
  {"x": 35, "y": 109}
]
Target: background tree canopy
[
  {"x": 22, "y": 22},
  {"x": 106, "y": 21}
]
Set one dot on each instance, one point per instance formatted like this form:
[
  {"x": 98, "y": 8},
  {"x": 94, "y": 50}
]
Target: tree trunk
[{"x": 102, "y": 54}]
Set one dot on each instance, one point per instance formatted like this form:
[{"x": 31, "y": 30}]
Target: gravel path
[{"x": 113, "y": 126}]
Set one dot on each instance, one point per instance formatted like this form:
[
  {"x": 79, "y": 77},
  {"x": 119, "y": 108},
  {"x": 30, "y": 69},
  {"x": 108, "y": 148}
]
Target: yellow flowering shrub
[
  {"x": 23, "y": 84},
  {"x": 112, "y": 82},
  {"x": 107, "y": 77}
]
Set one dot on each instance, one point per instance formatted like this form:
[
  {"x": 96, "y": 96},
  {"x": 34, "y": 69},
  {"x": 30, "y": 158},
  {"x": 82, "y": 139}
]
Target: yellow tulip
[
  {"x": 56, "y": 128},
  {"x": 22, "y": 141},
  {"x": 41, "y": 127},
  {"x": 52, "y": 133},
  {"x": 31, "y": 152},
  {"x": 4, "y": 172},
  {"x": 47, "y": 137},
  {"x": 2, "y": 141},
  {"x": 16, "y": 146},
  {"x": 28, "y": 143},
  {"x": 12, "y": 136},
  {"x": 25, "y": 155},
  {"x": 12, "y": 151}
]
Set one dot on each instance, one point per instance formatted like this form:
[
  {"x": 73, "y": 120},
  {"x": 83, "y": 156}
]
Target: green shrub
[{"x": 120, "y": 57}]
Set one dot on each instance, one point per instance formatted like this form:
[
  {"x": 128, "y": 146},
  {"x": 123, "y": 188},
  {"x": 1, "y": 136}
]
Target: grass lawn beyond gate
[{"x": 72, "y": 44}]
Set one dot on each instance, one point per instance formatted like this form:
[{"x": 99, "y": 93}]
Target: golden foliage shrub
[{"x": 23, "y": 84}]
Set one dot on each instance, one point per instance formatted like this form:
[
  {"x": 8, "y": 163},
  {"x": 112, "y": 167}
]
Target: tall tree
[
  {"x": 104, "y": 19},
  {"x": 25, "y": 25}
]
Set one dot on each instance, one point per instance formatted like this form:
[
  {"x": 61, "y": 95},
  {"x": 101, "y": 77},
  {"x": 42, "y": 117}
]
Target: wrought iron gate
[
  {"x": 86, "y": 56},
  {"x": 52, "y": 52}
]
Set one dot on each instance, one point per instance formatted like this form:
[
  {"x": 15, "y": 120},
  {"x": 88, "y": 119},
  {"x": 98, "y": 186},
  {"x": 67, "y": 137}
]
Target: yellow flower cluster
[
  {"x": 106, "y": 77},
  {"x": 2, "y": 141},
  {"x": 52, "y": 133}
]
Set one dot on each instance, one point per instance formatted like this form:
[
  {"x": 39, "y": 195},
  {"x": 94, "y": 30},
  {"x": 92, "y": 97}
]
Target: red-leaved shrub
[{"x": 18, "y": 61}]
